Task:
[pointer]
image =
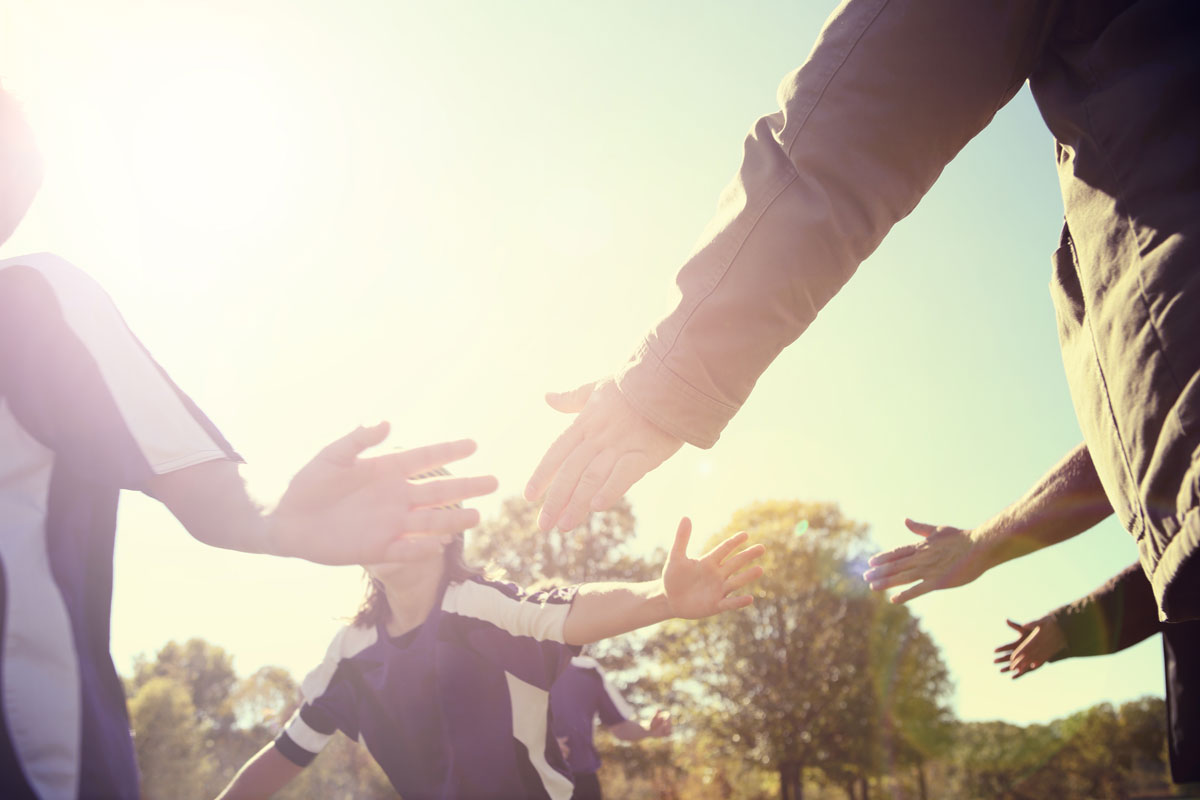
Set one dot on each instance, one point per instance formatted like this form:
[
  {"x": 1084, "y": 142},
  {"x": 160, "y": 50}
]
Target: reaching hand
[
  {"x": 345, "y": 509},
  {"x": 603, "y": 452},
  {"x": 698, "y": 588},
  {"x": 946, "y": 557},
  {"x": 1039, "y": 641},
  {"x": 660, "y": 725}
]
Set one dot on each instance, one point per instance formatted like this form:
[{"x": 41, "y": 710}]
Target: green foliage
[
  {"x": 820, "y": 690},
  {"x": 170, "y": 740}
]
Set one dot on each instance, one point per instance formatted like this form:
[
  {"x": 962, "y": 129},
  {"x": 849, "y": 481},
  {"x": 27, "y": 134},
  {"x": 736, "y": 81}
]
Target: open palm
[{"x": 701, "y": 587}]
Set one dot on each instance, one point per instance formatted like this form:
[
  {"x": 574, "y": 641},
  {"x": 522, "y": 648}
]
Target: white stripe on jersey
[
  {"x": 350, "y": 640},
  {"x": 530, "y": 708},
  {"x": 541, "y": 621},
  {"x": 304, "y": 735},
  {"x": 166, "y": 432},
  {"x": 41, "y": 684}
]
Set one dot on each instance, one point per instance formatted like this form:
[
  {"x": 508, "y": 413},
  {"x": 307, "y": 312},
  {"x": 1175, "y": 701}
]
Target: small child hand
[{"x": 701, "y": 587}]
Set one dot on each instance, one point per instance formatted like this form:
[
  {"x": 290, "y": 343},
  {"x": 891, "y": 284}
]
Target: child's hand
[
  {"x": 660, "y": 724},
  {"x": 698, "y": 588},
  {"x": 343, "y": 508},
  {"x": 1038, "y": 643}
]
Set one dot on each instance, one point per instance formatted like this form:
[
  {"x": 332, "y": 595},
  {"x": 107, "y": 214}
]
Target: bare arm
[
  {"x": 1065, "y": 502},
  {"x": 341, "y": 508},
  {"x": 690, "y": 588},
  {"x": 631, "y": 730},
  {"x": 260, "y": 777}
]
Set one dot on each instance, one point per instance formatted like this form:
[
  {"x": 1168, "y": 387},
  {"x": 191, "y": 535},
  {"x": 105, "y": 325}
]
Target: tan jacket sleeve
[{"x": 892, "y": 90}]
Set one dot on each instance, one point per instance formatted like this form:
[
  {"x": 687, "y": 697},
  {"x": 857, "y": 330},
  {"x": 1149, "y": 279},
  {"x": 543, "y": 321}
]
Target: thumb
[
  {"x": 682, "y": 534},
  {"x": 347, "y": 448},
  {"x": 571, "y": 402},
  {"x": 919, "y": 528}
]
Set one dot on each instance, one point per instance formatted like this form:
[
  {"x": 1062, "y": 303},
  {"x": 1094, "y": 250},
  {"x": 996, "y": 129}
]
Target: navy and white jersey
[
  {"x": 84, "y": 412},
  {"x": 457, "y": 708},
  {"x": 579, "y": 695}
]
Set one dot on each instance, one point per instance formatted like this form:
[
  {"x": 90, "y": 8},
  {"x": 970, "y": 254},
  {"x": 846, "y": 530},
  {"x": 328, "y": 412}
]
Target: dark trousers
[{"x": 587, "y": 787}]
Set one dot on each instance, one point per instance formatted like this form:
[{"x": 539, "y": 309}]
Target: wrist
[{"x": 658, "y": 603}]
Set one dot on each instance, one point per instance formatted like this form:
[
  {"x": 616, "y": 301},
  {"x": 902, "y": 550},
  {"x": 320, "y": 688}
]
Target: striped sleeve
[
  {"x": 328, "y": 702},
  {"x": 81, "y": 383},
  {"x": 521, "y": 632}
]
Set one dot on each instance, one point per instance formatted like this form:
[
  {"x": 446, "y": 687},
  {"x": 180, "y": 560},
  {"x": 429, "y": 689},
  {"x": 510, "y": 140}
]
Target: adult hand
[
  {"x": 660, "y": 724},
  {"x": 944, "y": 558},
  {"x": 700, "y": 587},
  {"x": 345, "y": 509},
  {"x": 1037, "y": 643},
  {"x": 603, "y": 452}
]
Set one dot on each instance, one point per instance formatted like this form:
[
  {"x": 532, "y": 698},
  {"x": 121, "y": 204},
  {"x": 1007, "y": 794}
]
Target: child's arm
[
  {"x": 631, "y": 730},
  {"x": 340, "y": 509},
  {"x": 264, "y": 774},
  {"x": 82, "y": 387},
  {"x": 690, "y": 588}
]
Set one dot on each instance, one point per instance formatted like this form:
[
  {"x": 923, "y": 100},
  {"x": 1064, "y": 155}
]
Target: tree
[
  {"x": 794, "y": 680},
  {"x": 601, "y": 549},
  {"x": 170, "y": 741}
]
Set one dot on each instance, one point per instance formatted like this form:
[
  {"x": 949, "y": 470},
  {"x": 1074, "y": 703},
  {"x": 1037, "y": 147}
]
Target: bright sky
[{"x": 318, "y": 214}]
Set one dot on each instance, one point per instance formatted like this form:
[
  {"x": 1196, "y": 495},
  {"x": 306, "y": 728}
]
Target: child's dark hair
[{"x": 375, "y": 610}]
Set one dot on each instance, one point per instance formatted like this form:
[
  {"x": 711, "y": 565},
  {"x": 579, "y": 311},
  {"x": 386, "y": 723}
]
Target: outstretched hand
[
  {"x": 701, "y": 587},
  {"x": 1037, "y": 643},
  {"x": 944, "y": 558},
  {"x": 342, "y": 508},
  {"x": 603, "y": 452}
]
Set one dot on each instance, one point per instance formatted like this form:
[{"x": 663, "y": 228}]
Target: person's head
[
  {"x": 450, "y": 560},
  {"x": 20, "y": 165}
]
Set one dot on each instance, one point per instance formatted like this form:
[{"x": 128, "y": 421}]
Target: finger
[
  {"x": 912, "y": 592},
  {"x": 733, "y": 603},
  {"x": 563, "y": 487},
  {"x": 628, "y": 470},
  {"x": 593, "y": 477},
  {"x": 898, "y": 579},
  {"x": 718, "y": 553},
  {"x": 885, "y": 570},
  {"x": 1006, "y": 648},
  {"x": 1018, "y": 627},
  {"x": 448, "y": 491},
  {"x": 571, "y": 402},
  {"x": 347, "y": 448},
  {"x": 742, "y": 559},
  {"x": 735, "y": 582},
  {"x": 895, "y": 554},
  {"x": 438, "y": 520},
  {"x": 547, "y": 468},
  {"x": 683, "y": 534},
  {"x": 919, "y": 528},
  {"x": 426, "y": 458},
  {"x": 1001, "y": 660}
]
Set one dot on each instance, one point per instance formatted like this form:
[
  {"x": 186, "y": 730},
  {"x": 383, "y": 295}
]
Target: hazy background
[{"x": 317, "y": 214}]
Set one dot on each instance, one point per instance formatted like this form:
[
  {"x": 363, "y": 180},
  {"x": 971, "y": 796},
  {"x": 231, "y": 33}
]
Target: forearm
[
  {"x": 211, "y": 502},
  {"x": 601, "y": 610},
  {"x": 1120, "y": 614},
  {"x": 629, "y": 731},
  {"x": 864, "y": 129},
  {"x": 265, "y": 773},
  {"x": 1068, "y": 500}
]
